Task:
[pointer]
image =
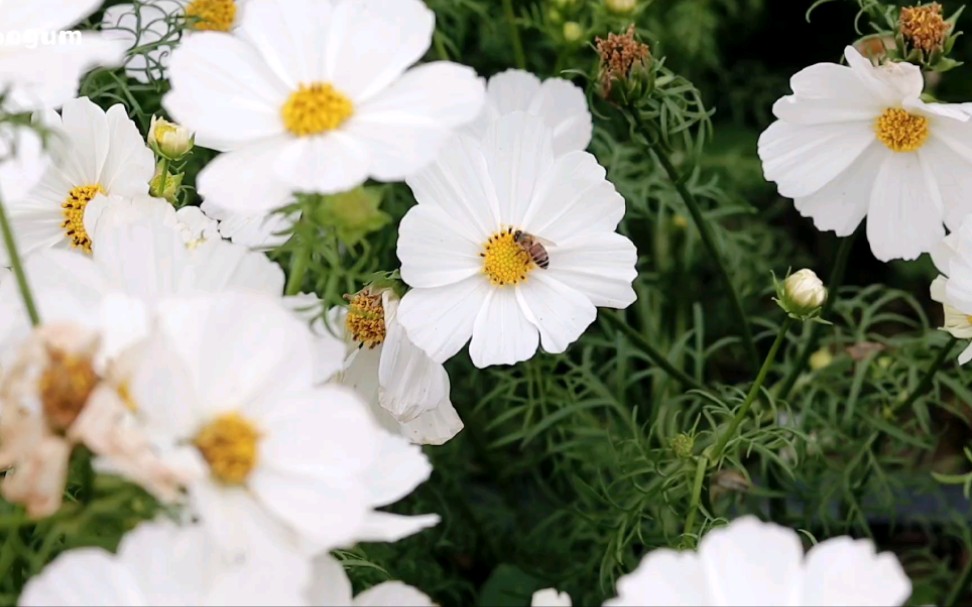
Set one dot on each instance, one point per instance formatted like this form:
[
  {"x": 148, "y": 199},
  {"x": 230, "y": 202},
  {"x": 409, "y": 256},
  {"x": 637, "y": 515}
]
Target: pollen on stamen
[
  {"x": 212, "y": 15},
  {"x": 315, "y": 109},
  {"x": 365, "y": 322},
  {"x": 925, "y": 27},
  {"x": 900, "y": 130},
  {"x": 505, "y": 261},
  {"x": 73, "y": 211},
  {"x": 229, "y": 444}
]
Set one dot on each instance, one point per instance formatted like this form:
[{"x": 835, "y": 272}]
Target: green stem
[
  {"x": 705, "y": 232},
  {"x": 514, "y": 34},
  {"x": 926, "y": 380},
  {"x": 836, "y": 277},
  {"x": 298, "y": 269},
  {"x": 960, "y": 585},
  {"x": 700, "y": 469},
  {"x": 163, "y": 176},
  {"x": 730, "y": 432},
  {"x": 18, "y": 267},
  {"x": 649, "y": 350}
]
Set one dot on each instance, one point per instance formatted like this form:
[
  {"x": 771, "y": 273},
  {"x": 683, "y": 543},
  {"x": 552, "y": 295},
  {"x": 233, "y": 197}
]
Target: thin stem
[
  {"x": 705, "y": 232},
  {"x": 298, "y": 269},
  {"x": 700, "y": 469},
  {"x": 960, "y": 585},
  {"x": 733, "y": 428},
  {"x": 649, "y": 350},
  {"x": 810, "y": 344},
  {"x": 163, "y": 176},
  {"x": 18, "y": 267},
  {"x": 514, "y": 34},
  {"x": 926, "y": 380}
]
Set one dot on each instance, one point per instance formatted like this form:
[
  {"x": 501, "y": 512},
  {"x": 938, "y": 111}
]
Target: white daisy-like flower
[
  {"x": 302, "y": 99},
  {"x": 511, "y": 245},
  {"x": 97, "y": 152},
  {"x": 550, "y": 597},
  {"x": 953, "y": 289},
  {"x": 330, "y": 587},
  {"x": 151, "y": 28},
  {"x": 858, "y": 140},
  {"x": 161, "y": 563},
  {"x": 277, "y": 456},
  {"x": 407, "y": 390},
  {"x": 143, "y": 256},
  {"x": 561, "y": 103},
  {"x": 42, "y": 69},
  {"x": 260, "y": 230},
  {"x": 754, "y": 563}
]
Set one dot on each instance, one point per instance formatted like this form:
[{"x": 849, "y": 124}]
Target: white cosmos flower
[
  {"x": 43, "y": 70},
  {"x": 161, "y": 563},
  {"x": 330, "y": 587},
  {"x": 754, "y": 563},
  {"x": 408, "y": 391},
  {"x": 260, "y": 230},
  {"x": 550, "y": 597},
  {"x": 953, "y": 289},
  {"x": 561, "y": 103},
  {"x": 142, "y": 257},
  {"x": 156, "y": 22},
  {"x": 303, "y": 99},
  {"x": 468, "y": 274},
  {"x": 278, "y": 458},
  {"x": 858, "y": 140},
  {"x": 96, "y": 152}
]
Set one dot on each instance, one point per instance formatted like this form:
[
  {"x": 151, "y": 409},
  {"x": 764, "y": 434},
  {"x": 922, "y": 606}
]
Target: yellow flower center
[
  {"x": 229, "y": 446},
  {"x": 73, "y": 211},
  {"x": 505, "y": 261},
  {"x": 212, "y": 15},
  {"x": 64, "y": 388},
  {"x": 365, "y": 322},
  {"x": 925, "y": 27},
  {"x": 315, "y": 109},
  {"x": 901, "y": 131}
]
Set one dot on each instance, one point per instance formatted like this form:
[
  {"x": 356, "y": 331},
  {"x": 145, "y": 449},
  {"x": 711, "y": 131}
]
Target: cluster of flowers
[{"x": 276, "y": 429}]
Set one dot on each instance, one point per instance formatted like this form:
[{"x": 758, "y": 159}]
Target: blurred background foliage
[{"x": 572, "y": 467}]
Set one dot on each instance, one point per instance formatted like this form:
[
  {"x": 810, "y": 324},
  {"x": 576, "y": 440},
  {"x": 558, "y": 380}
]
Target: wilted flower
[
  {"x": 623, "y": 60},
  {"x": 924, "y": 27}
]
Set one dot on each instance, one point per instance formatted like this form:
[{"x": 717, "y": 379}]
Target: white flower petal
[
  {"x": 664, "y": 577},
  {"x": 802, "y": 159},
  {"x": 392, "y": 594},
  {"x": 560, "y": 313},
  {"x": 828, "y": 93},
  {"x": 843, "y": 571},
  {"x": 328, "y": 164},
  {"x": 20, "y": 172},
  {"x": 841, "y": 204},
  {"x": 87, "y": 576},
  {"x": 330, "y": 586},
  {"x": 905, "y": 200},
  {"x": 950, "y": 159},
  {"x": 440, "y": 320},
  {"x": 45, "y": 14},
  {"x": 388, "y": 527},
  {"x": 502, "y": 334},
  {"x": 434, "y": 427},
  {"x": 289, "y": 41},
  {"x": 405, "y": 125},
  {"x": 550, "y": 597},
  {"x": 435, "y": 249},
  {"x": 129, "y": 164},
  {"x": 260, "y": 230},
  {"x": 220, "y": 183},
  {"x": 599, "y": 265},
  {"x": 518, "y": 149},
  {"x": 86, "y": 126},
  {"x": 399, "y": 468},
  {"x": 564, "y": 108}
]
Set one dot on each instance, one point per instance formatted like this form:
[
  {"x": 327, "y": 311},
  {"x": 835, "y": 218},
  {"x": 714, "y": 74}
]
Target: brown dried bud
[
  {"x": 924, "y": 27},
  {"x": 622, "y": 58}
]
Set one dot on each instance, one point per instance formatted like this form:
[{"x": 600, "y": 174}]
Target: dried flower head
[
  {"x": 621, "y": 55},
  {"x": 924, "y": 27}
]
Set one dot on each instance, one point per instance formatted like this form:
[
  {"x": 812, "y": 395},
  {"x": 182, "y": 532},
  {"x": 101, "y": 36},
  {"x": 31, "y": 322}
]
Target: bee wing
[{"x": 545, "y": 242}]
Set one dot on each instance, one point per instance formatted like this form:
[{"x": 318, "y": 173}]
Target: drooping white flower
[
  {"x": 754, "y": 563},
  {"x": 142, "y": 256},
  {"x": 858, "y": 140},
  {"x": 550, "y": 597},
  {"x": 42, "y": 68},
  {"x": 97, "y": 152},
  {"x": 194, "y": 572},
  {"x": 278, "y": 458},
  {"x": 153, "y": 26},
  {"x": 55, "y": 395},
  {"x": 561, "y": 103},
  {"x": 466, "y": 247},
  {"x": 330, "y": 587},
  {"x": 408, "y": 391},
  {"x": 303, "y": 99},
  {"x": 953, "y": 289}
]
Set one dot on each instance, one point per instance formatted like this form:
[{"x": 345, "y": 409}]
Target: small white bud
[
  {"x": 802, "y": 294},
  {"x": 169, "y": 139}
]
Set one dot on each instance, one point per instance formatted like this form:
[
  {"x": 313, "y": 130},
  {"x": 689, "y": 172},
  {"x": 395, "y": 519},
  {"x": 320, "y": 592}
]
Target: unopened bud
[
  {"x": 621, "y": 7},
  {"x": 924, "y": 27},
  {"x": 802, "y": 294},
  {"x": 821, "y": 358},
  {"x": 169, "y": 140},
  {"x": 624, "y": 61},
  {"x": 164, "y": 184},
  {"x": 682, "y": 445},
  {"x": 573, "y": 31}
]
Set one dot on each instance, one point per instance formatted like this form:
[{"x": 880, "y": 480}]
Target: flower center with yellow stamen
[
  {"x": 73, "y": 211},
  {"x": 901, "y": 131},
  {"x": 229, "y": 446},
  {"x": 505, "y": 261},
  {"x": 212, "y": 15},
  {"x": 64, "y": 387},
  {"x": 315, "y": 109},
  {"x": 365, "y": 322},
  {"x": 925, "y": 27}
]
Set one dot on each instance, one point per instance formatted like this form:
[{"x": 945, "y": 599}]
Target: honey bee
[{"x": 533, "y": 246}]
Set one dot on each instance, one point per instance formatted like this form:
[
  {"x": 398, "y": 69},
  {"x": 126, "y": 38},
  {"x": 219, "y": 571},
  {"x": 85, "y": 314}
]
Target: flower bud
[
  {"x": 625, "y": 64},
  {"x": 353, "y": 214},
  {"x": 801, "y": 294},
  {"x": 682, "y": 445},
  {"x": 573, "y": 31},
  {"x": 170, "y": 140},
  {"x": 164, "y": 184},
  {"x": 621, "y": 7},
  {"x": 821, "y": 359}
]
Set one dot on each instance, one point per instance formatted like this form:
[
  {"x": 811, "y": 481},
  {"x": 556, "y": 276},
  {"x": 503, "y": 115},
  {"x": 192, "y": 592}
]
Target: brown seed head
[
  {"x": 924, "y": 27},
  {"x": 620, "y": 55}
]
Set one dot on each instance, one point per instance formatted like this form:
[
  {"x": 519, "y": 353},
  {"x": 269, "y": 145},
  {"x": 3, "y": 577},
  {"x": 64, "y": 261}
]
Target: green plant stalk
[
  {"x": 700, "y": 468},
  {"x": 298, "y": 268},
  {"x": 163, "y": 176},
  {"x": 18, "y": 267},
  {"x": 645, "y": 346},
  {"x": 836, "y": 277},
  {"x": 737, "y": 420},
  {"x": 960, "y": 585},
  {"x": 926, "y": 379},
  {"x": 510, "y": 16},
  {"x": 705, "y": 232}
]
